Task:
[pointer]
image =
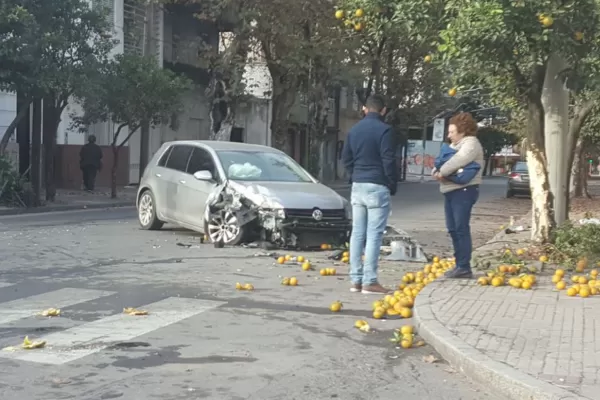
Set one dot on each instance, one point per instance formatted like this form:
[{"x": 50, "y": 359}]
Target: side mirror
[{"x": 203, "y": 175}]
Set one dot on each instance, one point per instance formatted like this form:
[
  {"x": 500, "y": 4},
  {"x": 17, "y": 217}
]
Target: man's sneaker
[
  {"x": 459, "y": 273},
  {"x": 356, "y": 288},
  {"x": 375, "y": 288}
]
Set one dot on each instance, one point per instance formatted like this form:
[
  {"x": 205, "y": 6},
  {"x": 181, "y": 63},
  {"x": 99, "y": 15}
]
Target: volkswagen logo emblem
[{"x": 317, "y": 215}]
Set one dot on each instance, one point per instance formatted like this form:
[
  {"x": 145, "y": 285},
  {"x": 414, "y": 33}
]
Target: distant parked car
[
  {"x": 235, "y": 192},
  {"x": 518, "y": 180}
]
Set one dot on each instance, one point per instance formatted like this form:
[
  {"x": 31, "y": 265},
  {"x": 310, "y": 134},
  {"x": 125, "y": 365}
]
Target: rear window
[{"x": 520, "y": 167}]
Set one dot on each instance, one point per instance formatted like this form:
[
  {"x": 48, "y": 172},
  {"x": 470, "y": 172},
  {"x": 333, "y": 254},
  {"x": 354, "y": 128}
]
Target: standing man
[
  {"x": 90, "y": 162},
  {"x": 369, "y": 158}
]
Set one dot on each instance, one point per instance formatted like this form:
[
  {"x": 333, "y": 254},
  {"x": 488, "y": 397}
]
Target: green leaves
[
  {"x": 493, "y": 140},
  {"x": 497, "y": 43},
  {"x": 47, "y": 47},
  {"x": 130, "y": 89}
]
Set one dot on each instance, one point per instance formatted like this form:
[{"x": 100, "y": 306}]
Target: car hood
[{"x": 298, "y": 195}]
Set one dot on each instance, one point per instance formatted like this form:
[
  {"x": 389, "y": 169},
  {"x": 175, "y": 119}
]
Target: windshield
[
  {"x": 261, "y": 166},
  {"x": 520, "y": 167}
]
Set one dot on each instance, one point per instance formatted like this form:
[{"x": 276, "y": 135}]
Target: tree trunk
[
  {"x": 486, "y": 167},
  {"x": 51, "y": 119},
  {"x": 284, "y": 97},
  {"x": 13, "y": 126},
  {"x": 113, "y": 171},
  {"x": 575, "y": 181},
  {"x": 579, "y": 173},
  {"x": 541, "y": 196},
  {"x": 36, "y": 153},
  {"x": 317, "y": 123},
  {"x": 574, "y": 143}
]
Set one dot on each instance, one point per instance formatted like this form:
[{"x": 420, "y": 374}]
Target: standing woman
[{"x": 459, "y": 199}]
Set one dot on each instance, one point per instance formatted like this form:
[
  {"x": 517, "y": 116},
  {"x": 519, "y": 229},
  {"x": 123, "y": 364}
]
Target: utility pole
[
  {"x": 424, "y": 143},
  {"x": 145, "y": 124},
  {"x": 555, "y": 98}
]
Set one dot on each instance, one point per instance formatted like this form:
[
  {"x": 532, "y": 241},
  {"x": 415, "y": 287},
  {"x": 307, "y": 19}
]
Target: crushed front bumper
[{"x": 299, "y": 228}]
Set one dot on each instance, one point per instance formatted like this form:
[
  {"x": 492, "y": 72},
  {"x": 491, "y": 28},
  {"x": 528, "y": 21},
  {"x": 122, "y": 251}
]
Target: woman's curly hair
[{"x": 465, "y": 123}]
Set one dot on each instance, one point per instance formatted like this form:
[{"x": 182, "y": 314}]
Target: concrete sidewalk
[
  {"x": 69, "y": 200},
  {"x": 527, "y": 344}
]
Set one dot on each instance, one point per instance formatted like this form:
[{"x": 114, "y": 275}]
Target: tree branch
[
  {"x": 117, "y": 132},
  {"x": 132, "y": 130}
]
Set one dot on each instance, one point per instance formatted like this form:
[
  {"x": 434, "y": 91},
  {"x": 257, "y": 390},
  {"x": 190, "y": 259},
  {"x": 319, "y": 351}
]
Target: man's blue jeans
[
  {"x": 370, "y": 211},
  {"x": 457, "y": 207}
]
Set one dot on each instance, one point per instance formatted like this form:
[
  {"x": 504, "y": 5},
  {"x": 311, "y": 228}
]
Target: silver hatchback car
[{"x": 235, "y": 192}]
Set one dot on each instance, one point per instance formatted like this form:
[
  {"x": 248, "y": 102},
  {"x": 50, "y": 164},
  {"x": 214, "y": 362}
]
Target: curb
[
  {"x": 509, "y": 381},
  {"x": 65, "y": 207}
]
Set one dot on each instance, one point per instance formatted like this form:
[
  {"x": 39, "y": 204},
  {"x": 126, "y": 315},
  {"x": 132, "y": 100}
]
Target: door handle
[
  {"x": 181, "y": 181},
  {"x": 158, "y": 175}
]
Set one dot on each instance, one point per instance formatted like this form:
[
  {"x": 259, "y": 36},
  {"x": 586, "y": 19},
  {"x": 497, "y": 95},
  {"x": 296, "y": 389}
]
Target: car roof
[{"x": 218, "y": 145}]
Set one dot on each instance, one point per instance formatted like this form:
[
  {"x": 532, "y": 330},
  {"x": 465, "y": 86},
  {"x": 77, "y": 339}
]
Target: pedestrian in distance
[
  {"x": 90, "y": 162},
  {"x": 460, "y": 195},
  {"x": 369, "y": 156}
]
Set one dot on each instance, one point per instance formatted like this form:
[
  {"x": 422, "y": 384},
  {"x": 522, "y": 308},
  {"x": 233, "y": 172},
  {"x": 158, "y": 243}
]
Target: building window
[{"x": 134, "y": 26}]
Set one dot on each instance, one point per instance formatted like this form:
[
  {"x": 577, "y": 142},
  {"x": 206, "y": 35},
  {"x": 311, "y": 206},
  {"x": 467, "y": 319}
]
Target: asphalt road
[{"x": 203, "y": 339}]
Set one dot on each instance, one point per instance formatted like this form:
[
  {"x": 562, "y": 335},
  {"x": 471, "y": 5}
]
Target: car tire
[
  {"x": 509, "y": 194},
  {"x": 146, "y": 209},
  {"x": 224, "y": 225}
]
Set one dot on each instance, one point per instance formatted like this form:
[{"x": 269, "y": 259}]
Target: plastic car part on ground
[{"x": 402, "y": 247}]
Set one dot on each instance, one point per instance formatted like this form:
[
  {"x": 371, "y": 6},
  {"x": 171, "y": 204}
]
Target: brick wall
[{"x": 68, "y": 174}]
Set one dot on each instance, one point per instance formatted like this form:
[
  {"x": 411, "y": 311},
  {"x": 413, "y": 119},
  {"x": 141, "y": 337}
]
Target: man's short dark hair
[
  {"x": 92, "y": 139},
  {"x": 375, "y": 103}
]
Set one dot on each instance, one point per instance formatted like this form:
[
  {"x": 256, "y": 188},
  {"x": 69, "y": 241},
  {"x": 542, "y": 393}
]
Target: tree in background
[
  {"x": 587, "y": 143},
  {"x": 49, "y": 48},
  {"x": 505, "y": 47},
  {"x": 128, "y": 90},
  {"x": 391, "y": 50},
  {"x": 493, "y": 140}
]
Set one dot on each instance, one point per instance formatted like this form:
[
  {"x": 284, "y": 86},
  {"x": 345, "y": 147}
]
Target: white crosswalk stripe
[
  {"x": 29, "y": 306},
  {"x": 4, "y": 284},
  {"x": 86, "y": 339}
]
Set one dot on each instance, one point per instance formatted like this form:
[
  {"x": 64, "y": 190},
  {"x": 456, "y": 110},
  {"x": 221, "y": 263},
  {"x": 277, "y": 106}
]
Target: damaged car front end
[{"x": 261, "y": 211}]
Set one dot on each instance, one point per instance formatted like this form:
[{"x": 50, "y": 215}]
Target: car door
[
  {"x": 175, "y": 177},
  {"x": 159, "y": 178},
  {"x": 194, "y": 192}
]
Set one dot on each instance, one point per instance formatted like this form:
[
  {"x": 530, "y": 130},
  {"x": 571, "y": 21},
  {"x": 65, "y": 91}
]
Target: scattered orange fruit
[{"x": 336, "y": 306}]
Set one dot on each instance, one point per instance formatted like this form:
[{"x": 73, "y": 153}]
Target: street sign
[{"x": 439, "y": 129}]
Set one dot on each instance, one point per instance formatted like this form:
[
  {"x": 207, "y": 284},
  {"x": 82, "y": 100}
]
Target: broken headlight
[{"x": 279, "y": 213}]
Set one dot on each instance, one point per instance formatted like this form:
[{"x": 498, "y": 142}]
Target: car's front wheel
[
  {"x": 224, "y": 226},
  {"x": 147, "y": 212}
]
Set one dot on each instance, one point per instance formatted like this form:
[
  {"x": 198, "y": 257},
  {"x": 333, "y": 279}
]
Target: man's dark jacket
[
  {"x": 369, "y": 153},
  {"x": 90, "y": 156}
]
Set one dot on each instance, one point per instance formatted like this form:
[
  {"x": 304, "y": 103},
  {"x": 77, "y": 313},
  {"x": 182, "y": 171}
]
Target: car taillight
[{"x": 515, "y": 176}]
